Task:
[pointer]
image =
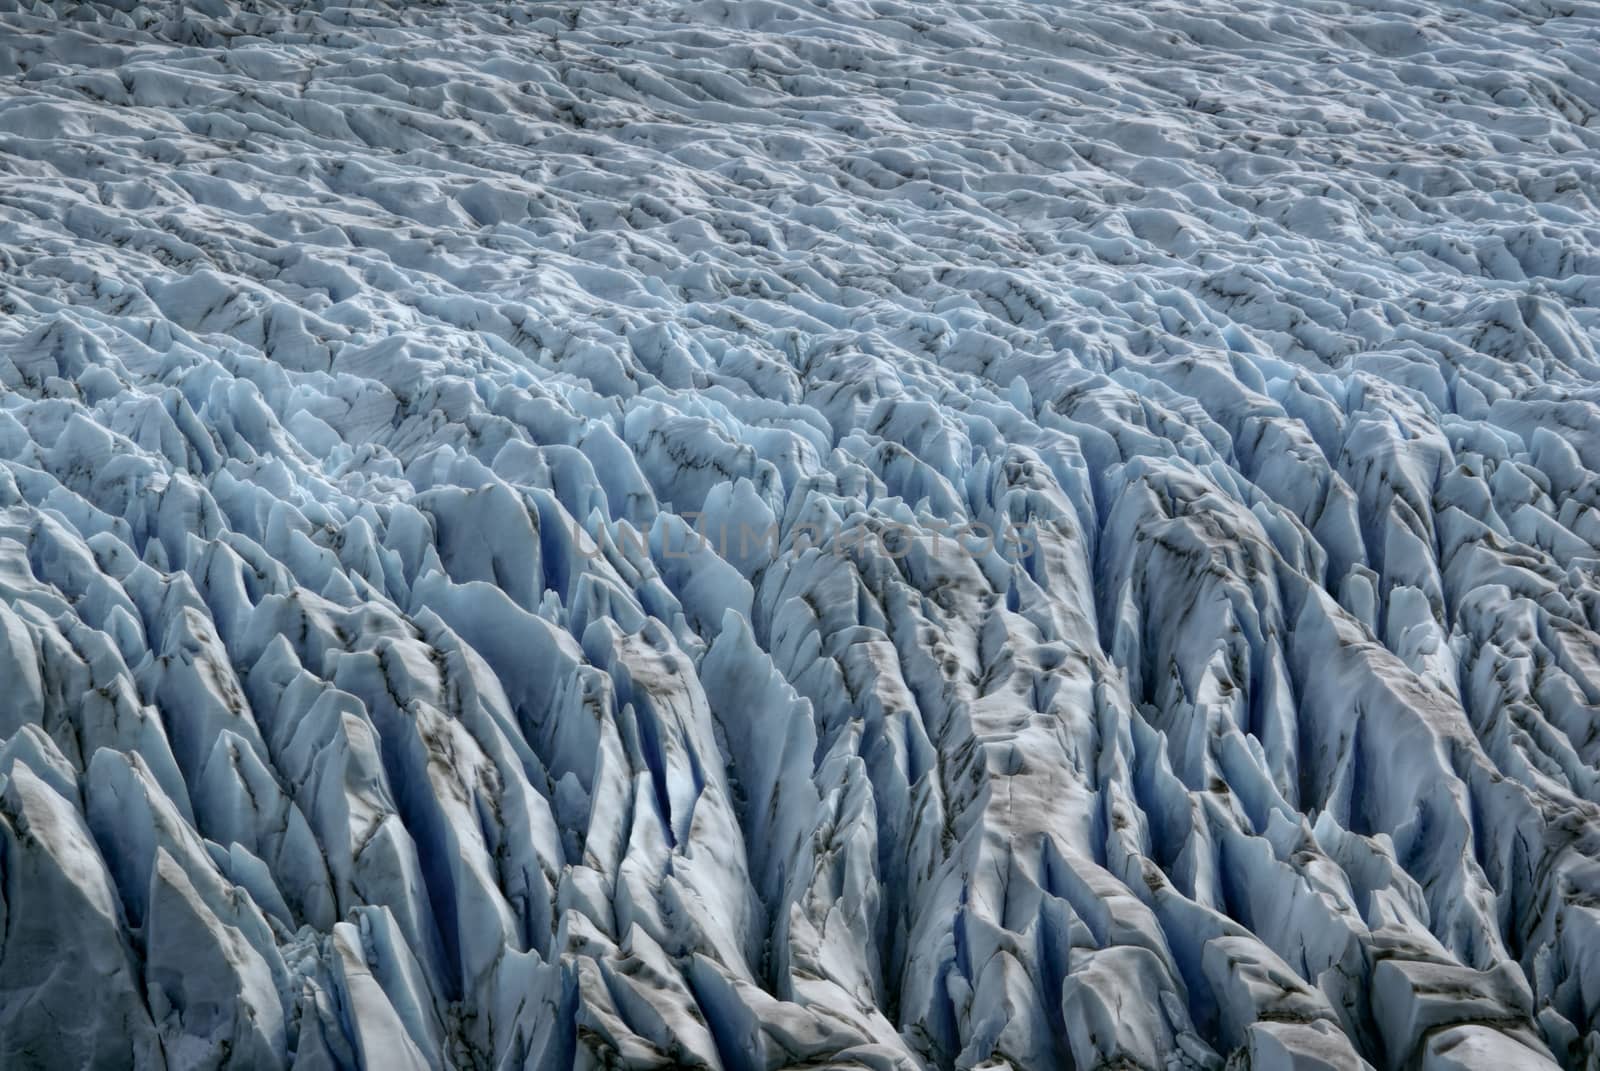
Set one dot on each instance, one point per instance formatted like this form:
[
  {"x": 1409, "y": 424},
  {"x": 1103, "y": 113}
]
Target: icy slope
[{"x": 364, "y": 372}]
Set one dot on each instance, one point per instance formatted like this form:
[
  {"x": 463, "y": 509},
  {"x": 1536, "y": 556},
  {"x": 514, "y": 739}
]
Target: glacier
[{"x": 800, "y": 533}]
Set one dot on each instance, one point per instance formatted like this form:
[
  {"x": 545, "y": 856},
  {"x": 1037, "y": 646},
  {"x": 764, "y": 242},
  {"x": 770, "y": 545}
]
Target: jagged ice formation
[{"x": 369, "y": 704}]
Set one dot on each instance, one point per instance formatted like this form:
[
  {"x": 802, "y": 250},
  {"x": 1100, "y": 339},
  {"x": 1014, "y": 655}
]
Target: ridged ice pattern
[{"x": 367, "y": 702}]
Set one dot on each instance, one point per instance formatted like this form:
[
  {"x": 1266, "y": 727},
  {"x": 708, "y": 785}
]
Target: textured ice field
[{"x": 365, "y": 701}]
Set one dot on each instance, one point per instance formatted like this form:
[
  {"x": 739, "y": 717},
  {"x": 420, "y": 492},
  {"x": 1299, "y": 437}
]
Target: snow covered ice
[{"x": 367, "y": 700}]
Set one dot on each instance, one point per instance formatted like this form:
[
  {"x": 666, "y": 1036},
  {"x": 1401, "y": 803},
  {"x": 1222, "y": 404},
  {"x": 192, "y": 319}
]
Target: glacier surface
[{"x": 1144, "y": 611}]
